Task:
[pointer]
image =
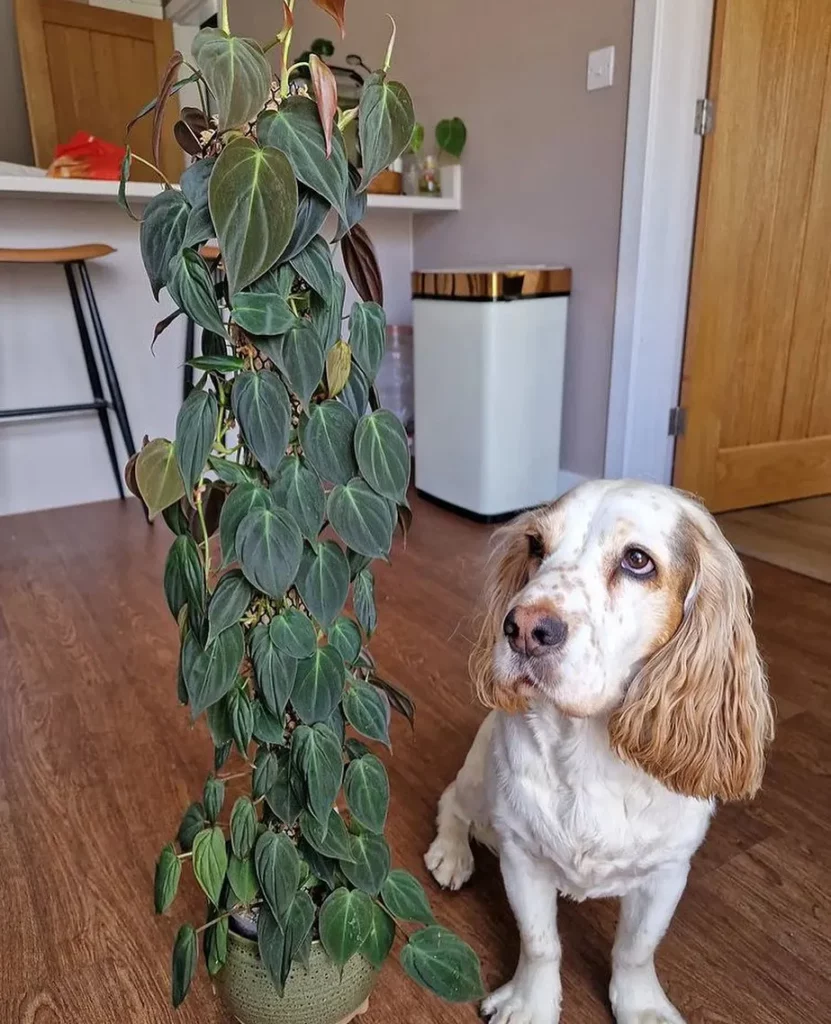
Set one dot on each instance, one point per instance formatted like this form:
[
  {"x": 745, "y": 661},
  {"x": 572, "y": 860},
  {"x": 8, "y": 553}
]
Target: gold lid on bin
[{"x": 501, "y": 285}]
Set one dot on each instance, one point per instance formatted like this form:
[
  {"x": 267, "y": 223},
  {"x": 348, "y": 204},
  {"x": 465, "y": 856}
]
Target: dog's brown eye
[
  {"x": 536, "y": 548},
  {"x": 637, "y": 563}
]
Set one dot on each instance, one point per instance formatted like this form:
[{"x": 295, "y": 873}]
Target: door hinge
[
  {"x": 677, "y": 421},
  {"x": 705, "y": 116}
]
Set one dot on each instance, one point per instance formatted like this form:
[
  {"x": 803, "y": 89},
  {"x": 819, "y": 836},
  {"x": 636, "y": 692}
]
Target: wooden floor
[
  {"x": 97, "y": 762},
  {"x": 795, "y": 535}
]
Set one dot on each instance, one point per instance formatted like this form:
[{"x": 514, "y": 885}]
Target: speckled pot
[{"x": 316, "y": 996}]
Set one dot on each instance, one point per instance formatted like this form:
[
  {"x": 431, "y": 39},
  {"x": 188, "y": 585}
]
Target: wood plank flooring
[{"x": 97, "y": 762}]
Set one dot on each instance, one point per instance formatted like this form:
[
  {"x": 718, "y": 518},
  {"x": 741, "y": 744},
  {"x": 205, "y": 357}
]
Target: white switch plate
[{"x": 601, "y": 72}]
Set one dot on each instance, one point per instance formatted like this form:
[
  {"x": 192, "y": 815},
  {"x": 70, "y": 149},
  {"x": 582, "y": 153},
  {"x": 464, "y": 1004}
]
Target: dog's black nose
[{"x": 533, "y": 631}]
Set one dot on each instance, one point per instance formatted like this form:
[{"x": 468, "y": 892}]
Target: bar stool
[{"x": 73, "y": 259}]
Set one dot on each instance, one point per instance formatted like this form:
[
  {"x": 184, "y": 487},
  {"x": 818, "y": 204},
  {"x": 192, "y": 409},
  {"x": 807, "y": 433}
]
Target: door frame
[{"x": 671, "y": 44}]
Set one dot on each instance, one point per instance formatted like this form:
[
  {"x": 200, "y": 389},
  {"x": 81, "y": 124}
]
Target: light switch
[{"x": 601, "y": 73}]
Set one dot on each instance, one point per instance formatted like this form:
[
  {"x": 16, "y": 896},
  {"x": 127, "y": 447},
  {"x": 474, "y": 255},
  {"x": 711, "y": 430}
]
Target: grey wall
[
  {"x": 544, "y": 164},
  {"x": 15, "y": 141}
]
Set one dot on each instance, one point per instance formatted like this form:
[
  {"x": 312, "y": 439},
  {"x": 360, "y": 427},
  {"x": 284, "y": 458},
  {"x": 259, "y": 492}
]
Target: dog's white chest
[{"x": 557, "y": 789}]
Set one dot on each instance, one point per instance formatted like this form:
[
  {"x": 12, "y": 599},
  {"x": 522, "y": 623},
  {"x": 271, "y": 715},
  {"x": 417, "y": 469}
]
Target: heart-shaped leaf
[
  {"x": 356, "y": 203},
  {"x": 241, "y": 715},
  {"x": 194, "y": 181},
  {"x": 300, "y": 357},
  {"x": 277, "y": 280},
  {"x": 312, "y": 211},
  {"x": 293, "y": 633},
  {"x": 319, "y": 685},
  {"x": 243, "y": 878},
  {"x": 314, "y": 265},
  {"x": 228, "y": 602},
  {"x": 442, "y": 963},
  {"x": 199, "y": 227},
  {"x": 195, "y": 430},
  {"x": 253, "y": 202},
  {"x": 237, "y": 73},
  {"x": 332, "y": 840},
  {"x": 267, "y": 728},
  {"x": 297, "y": 488},
  {"x": 275, "y": 671},
  {"x": 367, "y": 336},
  {"x": 327, "y": 311},
  {"x": 270, "y": 547},
  {"x": 285, "y": 795},
  {"x": 210, "y": 862},
  {"x": 345, "y": 922},
  {"x": 192, "y": 289},
  {"x": 362, "y": 518},
  {"x": 355, "y": 396},
  {"x": 232, "y": 473},
  {"x": 327, "y": 438},
  {"x": 367, "y": 791},
  {"x": 162, "y": 235},
  {"x": 405, "y": 899},
  {"x": 345, "y": 636},
  {"x": 157, "y": 476},
  {"x": 266, "y": 768},
  {"x": 262, "y": 410},
  {"x": 321, "y": 867},
  {"x": 216, "y": 945},
  {"x": 243, "y": 827},
  {"x": 263, "y": 313},
  {"x": 367, "y": 711},
  {"x": 323, "y": 580},
  {"x": 363, "y": 601},
  {"x": 278, "y": 871},
  {"x": 296, "y": 131},
  {"x": 338, "y": 367},
  {"x": 383, "y": 454},
  {"x": 379, "y": 940},
  {"x": 192, "y": 824},
  {"x": 280, "y": 941},
  {"x": 451, "y": 136},
  {"x": 316, "y": 753},
  {"x": 370, "y": 863},
  {"x": 213, "y": 797},
  {"x": 243, "y": 499},
  {"x": 210, "y": 674},
  {"x": 184, "y": 579},
  {"x": 385, "y": 125},
  {"x": 168, "y": 873},
  {"x": 183, "y": 968}
]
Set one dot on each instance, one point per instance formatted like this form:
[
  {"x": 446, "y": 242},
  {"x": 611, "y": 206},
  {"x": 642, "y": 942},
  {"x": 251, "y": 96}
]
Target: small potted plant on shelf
[{"x": 284, "y": 480}]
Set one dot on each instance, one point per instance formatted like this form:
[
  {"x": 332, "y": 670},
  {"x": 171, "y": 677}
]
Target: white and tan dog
[{"x": 629, "y": 696}]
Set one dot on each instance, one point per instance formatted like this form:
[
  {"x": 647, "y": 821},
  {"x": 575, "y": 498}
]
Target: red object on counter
[{"x": 84, "y": 156}]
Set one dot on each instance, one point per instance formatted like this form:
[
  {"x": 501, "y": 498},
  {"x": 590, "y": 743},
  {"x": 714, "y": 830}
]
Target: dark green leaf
[
  {"x": 176, "y": 519},
  {"x": 369, "y": 864},
  {"x": 316, "y": 755},
  {"x": 367, "y": 791},
  {"x": 184, "y": 578},
  {"x": 363, "y": 600},
  {"x": 243, "y": 499},
  {"x": 228, "y": 603},
  {"x": 283, "y": 797},
  {"x": 216, "y": 946},
  {"x": 168, "y": 873},
  {"x": 399, "y": 700},
  {"x": 345, "y": 637},
  {"x": 221, "y": 755},
  {"x": 237, "y": 73},
  {"x": 278, "y": 871},
  {"x": 405, "y": 899},
  {"x": 232, "y": 472},
  {"x": 297, "y": 488},
  {"x": 293, "y": 633},
  {"x": 262, "y": 410},
  {"x": 195, "y": 429},
  {"x": 442, "y": 963},
  {"x": 327, "y": 438},
  {"x": 213, "y": 344},
  {"x": 331, "y": 841},
  {"x": 210, "y": 674},
  {"x": 323, "y": 580},
  {"x": 311, "y": 213},
  {"x": 321, "y": 867},
  {"x": 319, "y": 685},
  {"x": 185, "y": 953},
  {"x": 193, "y": 821},
  {"x": 378, "y": 943},
  {"x": 241, "y": 714},
  {"x": 213, "y": 797},
  {"x": 451, "y": 136},
  {"x": 253, "y": 201},
  {"x": 300, "y": 358},
  {"x": 275, "y": 671},
  {"x": 277, "y": 280},
  {"x": 355, "y": 203},
  {"x": 192, "y": 289},
  {"x": 314, "y": 265},
  {"x": 269, "y": 547},
  {"x": 210, "y": 862},
  {"x": 281, "y": 940},
  {"x": 124, "y": 177},
  {"x": 367, "y": 711},
  {"x": 355, "y": 396},
  {"x": 243, "y": 878},
  {"x": 219, "y": 723},
  {"x": 158, "y": 477},
  {"x": 162, "y": 234},
  {"x": 199, "y": 227},
  {"x": 337, "y": 723},
  {"x": 217, "y": 364},
  {"x": 243, "y": 827},
  {"x": 345, "y": 923},
  {"x": 263, "y": 313},
  {"x": 386, "y": 124},
  {"x": 296, "y": 131},
  {"x": 367, "y": 336},
  {"x": 266, "y": 771},
  {"x": 356, "y": 748},
  {"x": 267, "y": 728},
  {"x": 362, "y": 518},
  {"x": 327, "y": 312},
  {"x": 194, "y": 181},
  {"x": 383, "y": 454}
]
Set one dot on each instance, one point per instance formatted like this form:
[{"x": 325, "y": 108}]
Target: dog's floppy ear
[{"x": 697, "y": 716}]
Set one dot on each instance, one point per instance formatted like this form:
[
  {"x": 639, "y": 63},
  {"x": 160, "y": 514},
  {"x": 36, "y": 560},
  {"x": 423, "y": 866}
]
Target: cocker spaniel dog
[{"x": 618, "y": 655}]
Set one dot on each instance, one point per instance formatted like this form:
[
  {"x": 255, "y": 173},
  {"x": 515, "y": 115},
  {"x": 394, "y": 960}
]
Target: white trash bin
[{"x": 489, "y": 352}]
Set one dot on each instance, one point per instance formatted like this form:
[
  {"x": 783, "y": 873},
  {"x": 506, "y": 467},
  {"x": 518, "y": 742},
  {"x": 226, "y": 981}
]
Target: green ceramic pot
[{"x": 317, "y": 996}]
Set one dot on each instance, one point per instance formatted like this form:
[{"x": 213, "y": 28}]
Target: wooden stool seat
[{"x": 67, "y": 254}]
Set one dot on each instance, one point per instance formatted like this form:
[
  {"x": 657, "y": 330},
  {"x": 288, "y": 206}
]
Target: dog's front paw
[
  {"x": 532, "y": 997},
  {"x": 637, "y": 998},
  {"x": 450, "y": 861}
]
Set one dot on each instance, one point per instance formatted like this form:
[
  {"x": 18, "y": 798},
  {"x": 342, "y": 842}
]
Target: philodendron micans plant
[{"x": 284, "y": 480}]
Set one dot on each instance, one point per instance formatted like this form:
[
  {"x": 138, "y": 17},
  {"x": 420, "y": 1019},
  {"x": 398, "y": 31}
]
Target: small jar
[
  {"x": 412, "y": 175},
  {"x": 430, "y": 181}
]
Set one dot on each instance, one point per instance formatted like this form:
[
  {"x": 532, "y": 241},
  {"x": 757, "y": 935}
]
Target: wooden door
[
  {"x": 91, "y": 69},
  {"x": 756, "y": 384}
]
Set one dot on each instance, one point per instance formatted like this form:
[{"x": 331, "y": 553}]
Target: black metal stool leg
[
  {"x": 94, "y": 377},
  {"x": 187, "y": 378},
  {"x": 107, "y": 360}
]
